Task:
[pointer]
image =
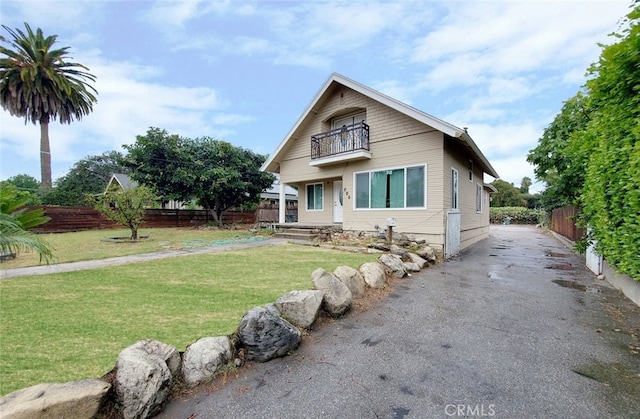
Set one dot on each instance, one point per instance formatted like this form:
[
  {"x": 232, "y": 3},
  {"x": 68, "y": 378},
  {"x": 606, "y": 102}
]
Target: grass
[
  {"x": 91, "y": 244},
  {"x": 71, "y": 326}
]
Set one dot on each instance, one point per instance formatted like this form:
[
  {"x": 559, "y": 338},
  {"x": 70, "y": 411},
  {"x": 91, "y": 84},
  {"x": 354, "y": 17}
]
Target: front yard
[{"x": 70, "y": 326}]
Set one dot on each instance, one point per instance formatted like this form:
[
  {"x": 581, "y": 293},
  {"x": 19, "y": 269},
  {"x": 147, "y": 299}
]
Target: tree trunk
[{"x": 45, "y": 154}]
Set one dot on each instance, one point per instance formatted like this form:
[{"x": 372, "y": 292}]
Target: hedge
[{"x": 517, "y": 215}]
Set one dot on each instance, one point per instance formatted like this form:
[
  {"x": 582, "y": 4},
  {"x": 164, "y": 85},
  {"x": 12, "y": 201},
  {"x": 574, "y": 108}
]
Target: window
[
  {"x": 470, "y": 170},
  {"x": 392, "y": 188},
  {"x": 454, "y": 189},
  {"x": 314, "y": 197},
  {"x": 478, "y": 198}
]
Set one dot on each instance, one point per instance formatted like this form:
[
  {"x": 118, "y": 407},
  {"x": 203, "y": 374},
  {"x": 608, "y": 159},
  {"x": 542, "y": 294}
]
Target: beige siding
[
  {"x": 474, "y": 225},
  {"x": 396, "y": 141}
]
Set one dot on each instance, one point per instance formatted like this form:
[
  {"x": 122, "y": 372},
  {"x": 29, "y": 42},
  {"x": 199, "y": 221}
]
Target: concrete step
[{"x": 295, "y": 236}]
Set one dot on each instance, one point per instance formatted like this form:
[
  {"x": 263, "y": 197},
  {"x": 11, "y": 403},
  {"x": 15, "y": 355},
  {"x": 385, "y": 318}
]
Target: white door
[
  {"x": 337, "y": 201},
  {"x": 452, "y": 235}
]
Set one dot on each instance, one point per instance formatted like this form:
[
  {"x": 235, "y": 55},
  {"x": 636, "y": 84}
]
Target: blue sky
[{"x": 245, "y": 71}]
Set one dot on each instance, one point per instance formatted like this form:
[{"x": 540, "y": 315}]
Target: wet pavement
[{"x": 513, "y": 327}]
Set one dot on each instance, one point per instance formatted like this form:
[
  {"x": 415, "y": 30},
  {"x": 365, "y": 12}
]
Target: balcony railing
[{"x": 343, "y": 140}]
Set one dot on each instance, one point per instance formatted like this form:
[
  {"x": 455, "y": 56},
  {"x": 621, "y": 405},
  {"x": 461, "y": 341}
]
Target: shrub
[{"x": 518, "y": 215}]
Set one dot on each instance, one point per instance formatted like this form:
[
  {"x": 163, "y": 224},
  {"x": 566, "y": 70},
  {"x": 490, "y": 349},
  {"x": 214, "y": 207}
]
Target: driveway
[{"x": 513, "y": 327}]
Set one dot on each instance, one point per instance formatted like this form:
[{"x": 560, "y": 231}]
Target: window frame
[
  {"x": 470, "y": 170},
  {"x": 405, "y": 169},
  {"x": 479, "y": 198},
  {"x": 314, "y": 200},
  {"x": 455, "y": 189}
]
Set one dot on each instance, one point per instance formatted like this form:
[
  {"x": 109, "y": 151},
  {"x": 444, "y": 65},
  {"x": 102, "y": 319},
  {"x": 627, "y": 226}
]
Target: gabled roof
[
  {"x": 123, "y": 180},
  {"x": 271, "y": 165}
]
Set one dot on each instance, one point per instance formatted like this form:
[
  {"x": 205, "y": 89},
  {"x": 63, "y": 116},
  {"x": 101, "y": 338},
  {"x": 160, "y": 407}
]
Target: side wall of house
[
  {"x": 396, "y": 141},
  {"x": 474, "y": 215}
]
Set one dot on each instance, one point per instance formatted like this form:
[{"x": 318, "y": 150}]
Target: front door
[{"x": 337, "y": 201}]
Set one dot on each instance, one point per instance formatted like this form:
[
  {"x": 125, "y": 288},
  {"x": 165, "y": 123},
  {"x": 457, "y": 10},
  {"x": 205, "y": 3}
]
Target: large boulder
[
  {"x": 418, "y": 260},
  {"x": 143, "y": 380},
  {"x": 300, "y": 307},
  {"x": 411, "y": 267},
  {"x": 337, "y": 296},
  {"x": 267, "y": 336},
  {"x": 168, "y": 353},
  {"x": 427, "y": 253},
  {"x": 352, "y": 279},
  {"x": 373, "y": 274},
  {"x": 204, "y": 358},
  {"x": 395, "y": 265},
  {"x": 75, "y": 399}
]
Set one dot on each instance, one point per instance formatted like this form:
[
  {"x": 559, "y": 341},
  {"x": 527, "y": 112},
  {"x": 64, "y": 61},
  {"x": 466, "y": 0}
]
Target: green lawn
[
  {"x": 70, "y": 326},
  {"x": 91, "y": 244}
]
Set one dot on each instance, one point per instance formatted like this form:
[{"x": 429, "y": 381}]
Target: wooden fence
[
  {"x": 86, "y": 218},
  {"x": 563, "y": 221}
]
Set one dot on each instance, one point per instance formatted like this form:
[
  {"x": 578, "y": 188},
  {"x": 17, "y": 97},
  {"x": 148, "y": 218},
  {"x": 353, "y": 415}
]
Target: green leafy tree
[
  {"x": 27, "y": 183},
  {"x": 217, "y": 174},
  {"x": 38, "y": 82},
  {"x": 525, "y": 184},
  {"x": 16, "y": 220},
  {"x": 163, "y": 161},
  {"x": 126, "y": 206},
  {"x": 507, "y": 195},
  {"x": 557, "y": 159},
  {"x": 610, "y": 197},
  {"x": 88, "y": 176}
]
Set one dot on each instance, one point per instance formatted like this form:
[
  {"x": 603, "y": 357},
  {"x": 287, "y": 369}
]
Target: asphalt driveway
[{"x": 513, "y": 327}]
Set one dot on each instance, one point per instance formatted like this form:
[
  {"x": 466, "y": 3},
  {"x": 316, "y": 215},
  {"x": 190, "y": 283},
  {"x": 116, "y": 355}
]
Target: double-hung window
[
  {"x": 314, "y": 197},
  {"x": 479, "y": 193},
  {"x": 391, "y": 188}
]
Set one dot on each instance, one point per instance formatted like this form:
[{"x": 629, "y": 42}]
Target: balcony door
[{"x": 348, "y": 120}]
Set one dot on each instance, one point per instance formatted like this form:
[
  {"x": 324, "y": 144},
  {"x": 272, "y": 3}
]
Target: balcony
[{"x": 351, "y": 142}]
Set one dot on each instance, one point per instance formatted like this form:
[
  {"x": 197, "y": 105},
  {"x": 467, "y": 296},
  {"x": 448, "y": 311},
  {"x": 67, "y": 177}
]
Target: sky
[{"x": 245, "y": 71}]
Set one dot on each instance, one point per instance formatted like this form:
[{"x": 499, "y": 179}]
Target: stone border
[{"x": 147, "y": 372}]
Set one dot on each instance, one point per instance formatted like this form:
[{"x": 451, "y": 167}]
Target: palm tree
[{"x": 37, "y": 83}]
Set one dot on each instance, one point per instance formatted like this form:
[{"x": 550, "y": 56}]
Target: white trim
[
  {"x": 404, "y": 208},
  {"x": 457, "y": 190},
  {"x": 306, "y": 197},
  {"x": 354, "y": 155}
]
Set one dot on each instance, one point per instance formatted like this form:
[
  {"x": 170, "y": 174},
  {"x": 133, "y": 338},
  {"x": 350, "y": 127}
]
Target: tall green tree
[
  {"x": 507, "y": 195},
  {"x": 217, "y": 174},
  {"x": 557, "y": 159},
  {"x": 163, "y": 161},
  {"x": 24, "y": 182},
  {"x": 38, "y": 82},
  {"x": 88, "y": 176}
]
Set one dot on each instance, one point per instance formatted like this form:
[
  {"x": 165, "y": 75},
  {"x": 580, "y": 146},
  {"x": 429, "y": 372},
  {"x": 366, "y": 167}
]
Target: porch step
[{"x": 297, "y": 234}]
